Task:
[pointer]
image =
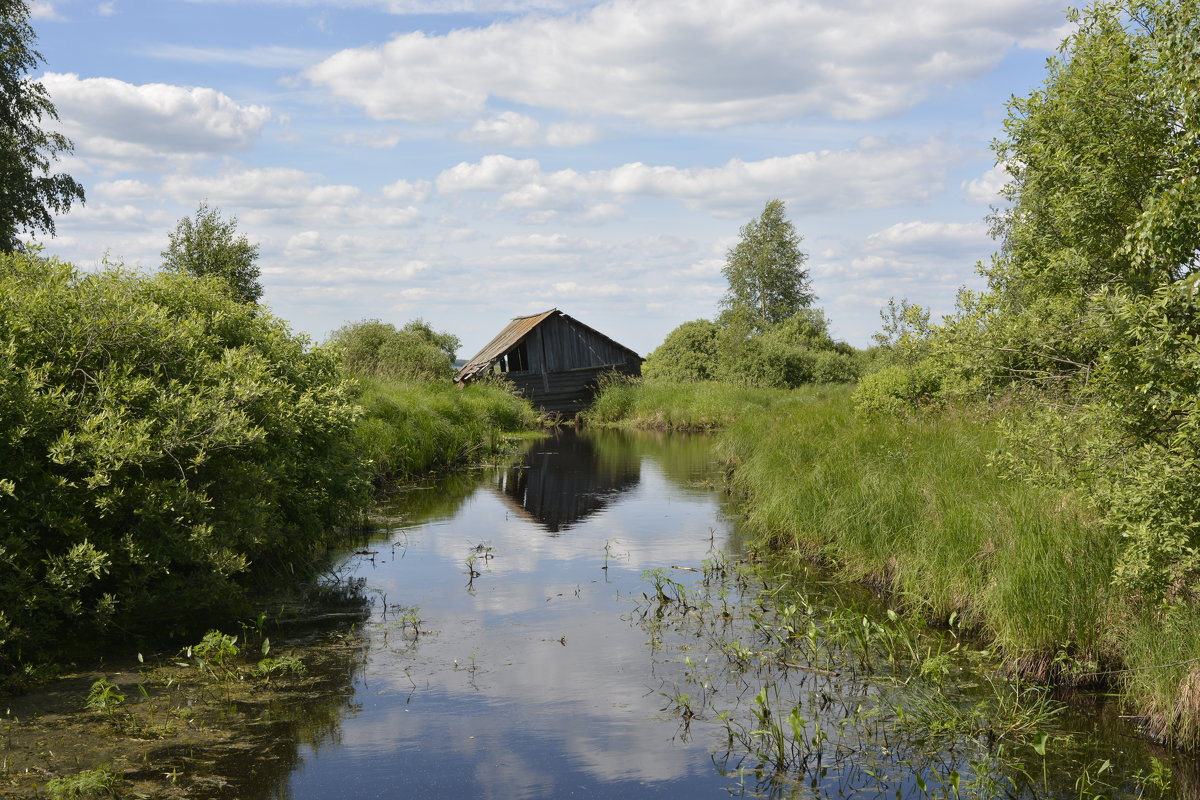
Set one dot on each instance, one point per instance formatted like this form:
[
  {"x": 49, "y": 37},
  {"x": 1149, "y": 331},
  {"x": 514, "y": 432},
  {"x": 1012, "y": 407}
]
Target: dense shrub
[
  {"x": 374, "y": 349},
  {"x": 835, "y": 366},
  {"x": 767, "y": 364},
  {"x": 689, "y": 353},
  {"x": 160, "y": 443},
  {"x": 791, "y": 353},
  {"x": 897, "y": 388}
]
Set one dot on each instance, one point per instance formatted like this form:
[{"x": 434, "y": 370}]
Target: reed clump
[
  {"x": 910, "y": 504},
  {"x": 412, "y": 427},
  {"x": 662, "y": 405}
]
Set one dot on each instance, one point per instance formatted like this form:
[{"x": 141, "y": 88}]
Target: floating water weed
[
  {"x": 269, "y": 668},
  {"x": 813, "y": 700},
  {"x": 667, "y": 591}
]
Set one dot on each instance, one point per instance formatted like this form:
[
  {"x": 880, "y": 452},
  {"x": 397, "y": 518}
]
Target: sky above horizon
[{"x": 468, "y": 162}]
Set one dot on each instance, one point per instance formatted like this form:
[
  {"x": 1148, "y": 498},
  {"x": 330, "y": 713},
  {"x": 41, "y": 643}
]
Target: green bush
[
  {"x": 379, "y": 350},
  {"x": 791, "y": 353},
  {"x": 160, "y": 443},
  {"x": 898, "y": 388},
  {"x": 767, "y": 364},
  {"x": 832, "y": 366},
  {"x": 689, "y": 353}
]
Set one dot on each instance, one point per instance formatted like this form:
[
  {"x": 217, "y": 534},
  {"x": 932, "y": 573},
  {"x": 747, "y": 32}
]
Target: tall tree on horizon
[
  {"x": 29, "y": 193},
  {"x": 765, "y": 270},
  {"x": 208, "y": 245}
]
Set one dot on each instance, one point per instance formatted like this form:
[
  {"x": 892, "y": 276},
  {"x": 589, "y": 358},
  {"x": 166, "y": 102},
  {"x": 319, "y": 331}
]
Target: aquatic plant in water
[{"x": 803, "y": 698}]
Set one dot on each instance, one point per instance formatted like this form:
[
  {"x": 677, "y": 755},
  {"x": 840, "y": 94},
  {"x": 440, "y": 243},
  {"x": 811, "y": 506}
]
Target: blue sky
[{"x": 467, "y": 162}]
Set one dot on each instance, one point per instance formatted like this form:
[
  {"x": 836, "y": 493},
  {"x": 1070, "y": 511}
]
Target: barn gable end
[{"x": 553, "y": 359}]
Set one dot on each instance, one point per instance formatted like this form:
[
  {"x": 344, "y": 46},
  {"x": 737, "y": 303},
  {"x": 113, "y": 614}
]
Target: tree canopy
[
  {"x": 1090, "y": 314},
  {"x": 208, "y": 246},
  {"x": 29, "y": 193},
  {"x": 765, "y": 270},
  {"x": 375, "y": 349}
]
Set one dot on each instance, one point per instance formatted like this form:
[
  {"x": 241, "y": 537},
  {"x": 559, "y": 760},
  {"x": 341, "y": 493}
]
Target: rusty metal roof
[{"x": 506, "y": 340}]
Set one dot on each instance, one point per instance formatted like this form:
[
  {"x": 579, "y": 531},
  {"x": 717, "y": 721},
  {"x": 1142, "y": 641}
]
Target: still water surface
[
  {"x": 511, "y": 652},
  {"x": 529, "y": 680}
]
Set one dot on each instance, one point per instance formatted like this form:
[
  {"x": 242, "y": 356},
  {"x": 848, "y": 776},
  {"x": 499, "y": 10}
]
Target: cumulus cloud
[
  {"x": 408, "y": 191},
  {"x": 692, "y": 62},
  {"x": 873, "y": 175},
  {"x": 506, "y": 128},
  {"x": 518, "y": 130},
  {"x": 43, "y": 9},
  {"x": 119, "y": 121},
  {"x": 986, "y": 188},
  {"x": 924, "y": 237},
  {"x": 438, "y": 6},
  {"x": 127, "y": 190},
  {"x": 274, "y": 187},
  {"x": 480, "y": 6}
]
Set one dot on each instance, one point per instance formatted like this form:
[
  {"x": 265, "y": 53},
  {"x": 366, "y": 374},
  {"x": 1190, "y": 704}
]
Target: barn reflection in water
[{"x": 564, "y": 479}]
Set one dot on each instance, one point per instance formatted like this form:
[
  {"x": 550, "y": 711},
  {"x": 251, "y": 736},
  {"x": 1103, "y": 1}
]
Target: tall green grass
[
  {"x": 413, "y": 427},
  {"x": 912, "y": 504},
  {"x": 908, "y": 504},
  {"x": 678, "y": 406}
]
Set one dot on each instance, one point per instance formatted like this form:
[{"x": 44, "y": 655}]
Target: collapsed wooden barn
[{"x": 551, "y": 358}]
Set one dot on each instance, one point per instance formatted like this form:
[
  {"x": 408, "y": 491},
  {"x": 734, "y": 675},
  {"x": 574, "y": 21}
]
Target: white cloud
[
  {"x": 491, "y": 173},
  {"x": 407, "y": 192},
  {"x": 570, "y": 134},
  {"x": 873, "y": 175},
  {"x": 263, "y": 56},
  {"x": 986, "y": 188},
  {"x": 662, "y": 246},
  {"x": 111, "y": 119},
  {"x": 274, "y": 187},
  {"x": 43, "y": 9},
  {"x": 107, "y": 9},
  {"x": 505, "y": 128},
  {"x": 518, "y": 130},
  {"x": 592, "y": 290},
  {"x": 692, "y": 62},
  {"x": 127, "y": 190},
  {"x": 376, "y": 140},
  {"x": 124, "y": 217},
  {"x": 603, "y": 212},
  {"x": 480, "y": 6},
  {"x": 924, "y": 237},
  {"x": 436, "y": 6},
  {"x": 556, "y": 242}
]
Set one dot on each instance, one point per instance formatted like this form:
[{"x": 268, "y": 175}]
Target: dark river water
[{"x": 517, "y": 647}]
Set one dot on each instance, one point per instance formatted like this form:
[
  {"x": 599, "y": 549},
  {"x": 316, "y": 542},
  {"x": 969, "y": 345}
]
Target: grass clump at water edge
[
  {"x": 909, "y": 504},
  {"x": 912, "y": 505},
  {"x": 661, "y": 405},
  {"x": 411, "y": 427}
]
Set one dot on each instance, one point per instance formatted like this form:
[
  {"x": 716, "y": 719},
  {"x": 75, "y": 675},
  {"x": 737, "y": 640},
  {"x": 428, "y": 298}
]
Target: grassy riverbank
[
  {"x": 913, "y": 505},
  {"x": 411, "y": 427}
]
